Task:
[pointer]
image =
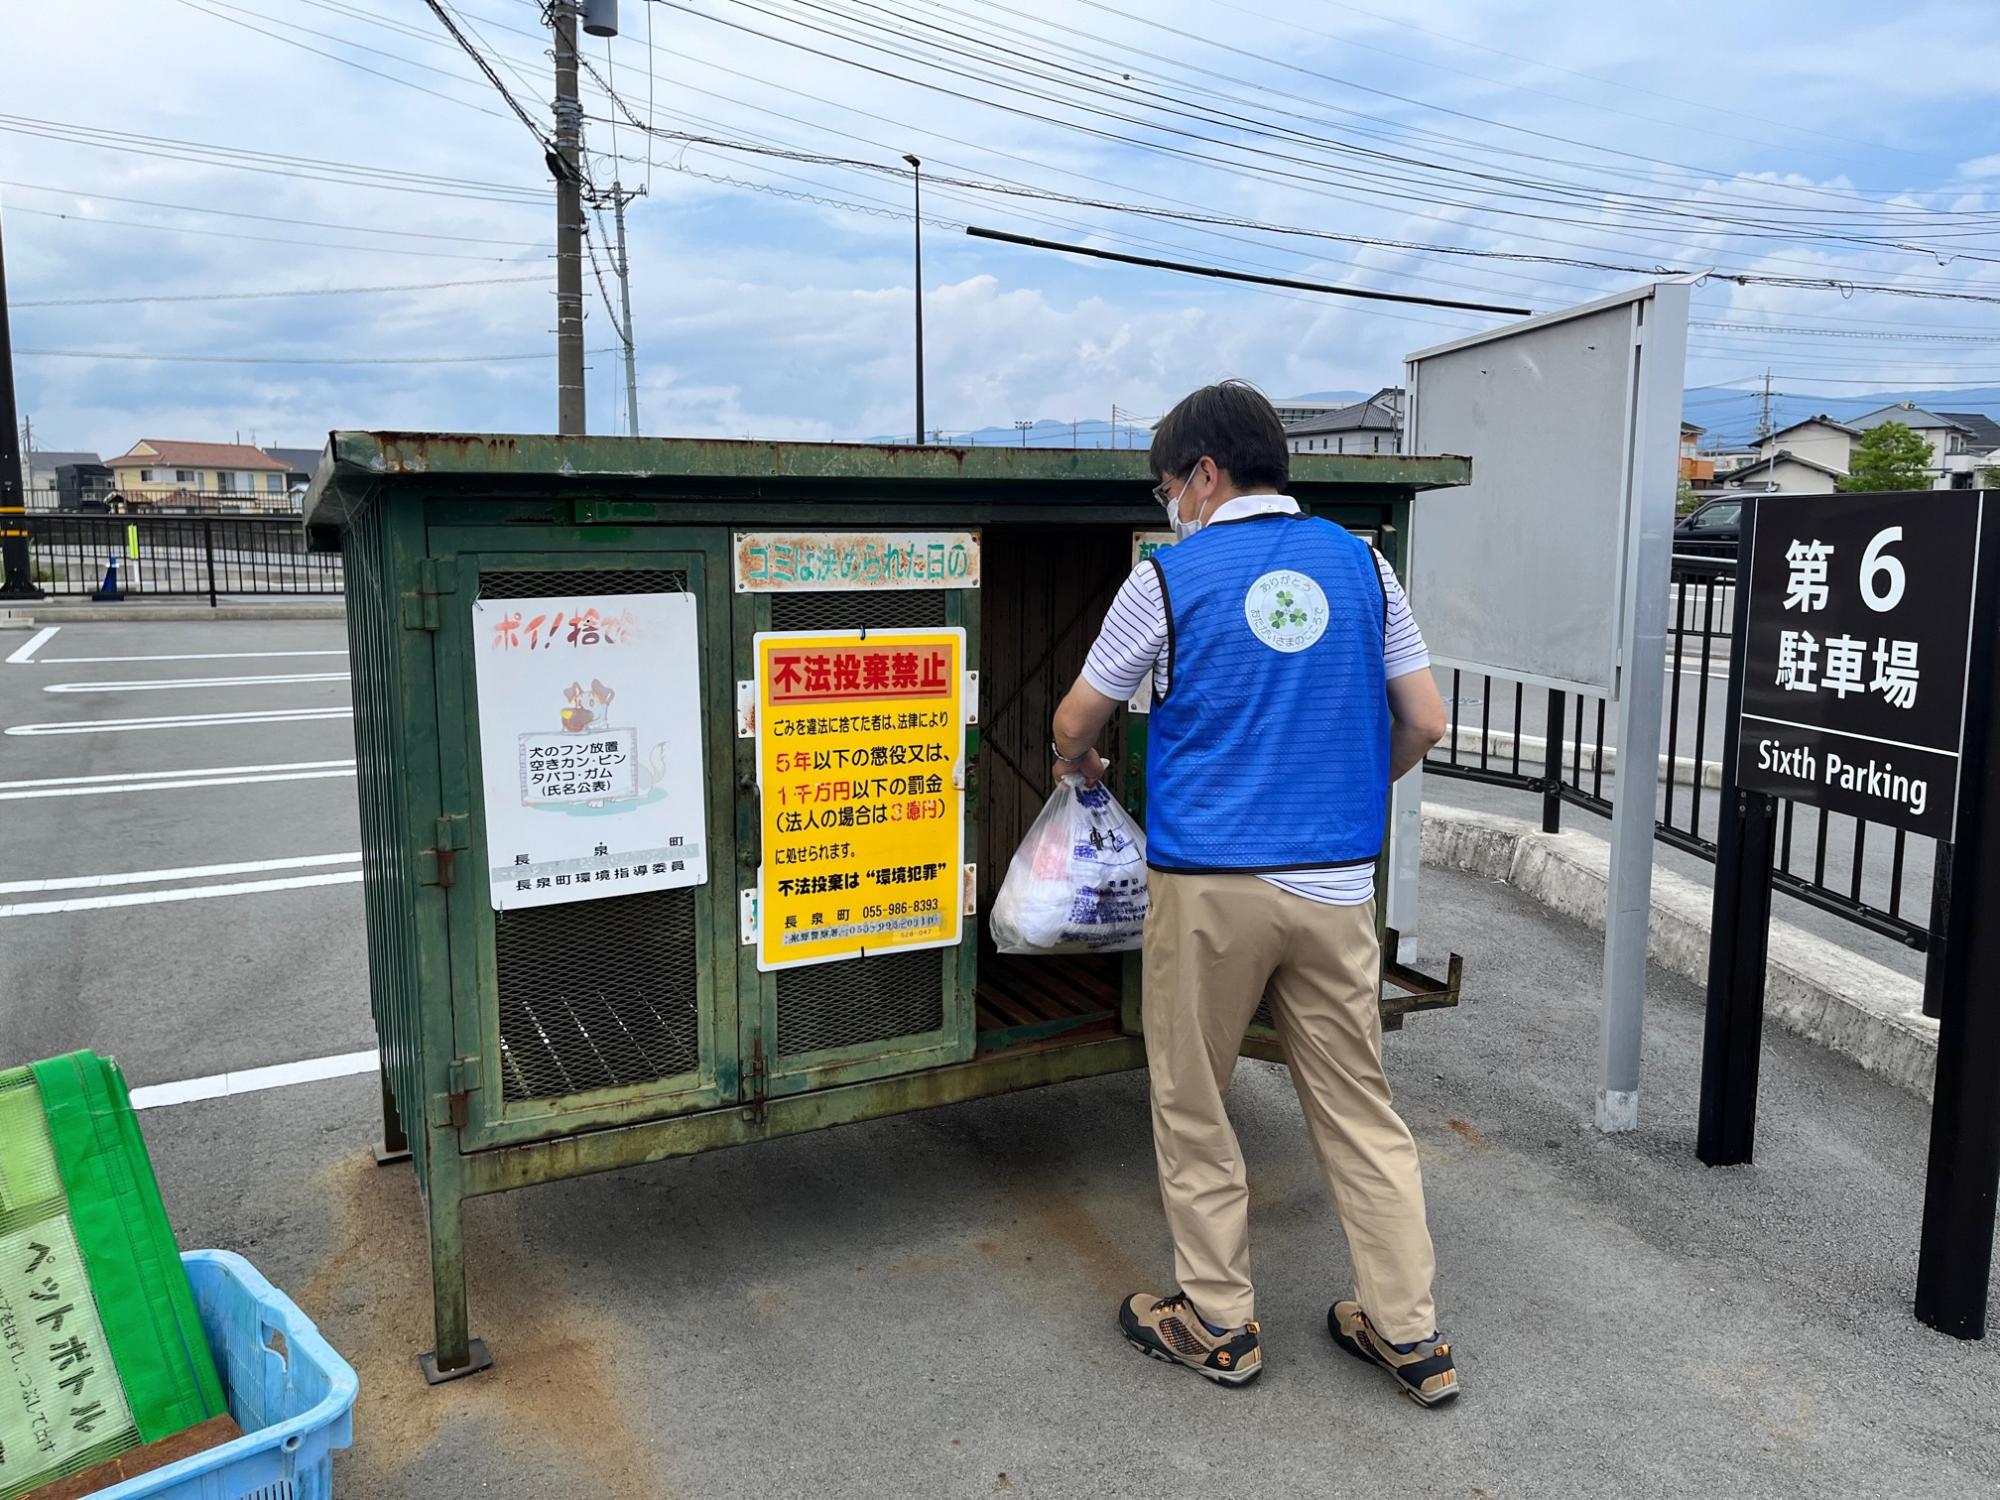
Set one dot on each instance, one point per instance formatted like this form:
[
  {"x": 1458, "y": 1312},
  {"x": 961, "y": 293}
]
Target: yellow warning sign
[{"x": 861, "y": 771}]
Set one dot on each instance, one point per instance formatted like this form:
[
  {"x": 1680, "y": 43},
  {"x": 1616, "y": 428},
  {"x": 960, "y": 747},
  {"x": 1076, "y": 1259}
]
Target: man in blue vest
[{"x": 1290, "y": 687}]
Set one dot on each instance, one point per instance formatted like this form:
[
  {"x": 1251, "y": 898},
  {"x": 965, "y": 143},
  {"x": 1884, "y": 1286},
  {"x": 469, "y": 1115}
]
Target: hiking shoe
[
  {"x": 1426, "y": 1373},
  {"x": 1169, "y": 1328}
]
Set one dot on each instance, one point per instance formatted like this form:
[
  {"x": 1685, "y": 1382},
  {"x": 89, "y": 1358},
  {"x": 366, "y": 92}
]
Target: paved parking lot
[{"x": 923, "y": 1306}]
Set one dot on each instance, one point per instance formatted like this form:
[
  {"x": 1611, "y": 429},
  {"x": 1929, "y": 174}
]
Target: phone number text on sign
[{"x": 861, "y": 770}]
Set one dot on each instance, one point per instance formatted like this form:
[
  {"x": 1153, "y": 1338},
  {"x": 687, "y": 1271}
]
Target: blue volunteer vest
[{"x": 1270, "y": 750}]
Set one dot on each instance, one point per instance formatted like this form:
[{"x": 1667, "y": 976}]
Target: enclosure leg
[
  {"x": 455, "y": 1354},
  {"x": 394, "y": 1145}
]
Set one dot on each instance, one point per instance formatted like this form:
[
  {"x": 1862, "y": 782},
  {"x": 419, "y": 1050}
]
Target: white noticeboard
[
  {"x": 1552, "y": 568},
  {"x": 590, "y": 746},
  {"x": 1572, "y": 423}
]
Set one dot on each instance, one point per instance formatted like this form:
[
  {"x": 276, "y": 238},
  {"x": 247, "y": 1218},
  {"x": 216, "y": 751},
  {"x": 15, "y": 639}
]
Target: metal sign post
[
  {"x": 1955, "y": 1264},
  {"x": 1862, "y": 683}
]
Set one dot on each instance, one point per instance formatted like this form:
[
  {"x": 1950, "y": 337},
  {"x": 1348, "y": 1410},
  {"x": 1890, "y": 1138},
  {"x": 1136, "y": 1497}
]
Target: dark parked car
[{"x": 1711, "y": 530}]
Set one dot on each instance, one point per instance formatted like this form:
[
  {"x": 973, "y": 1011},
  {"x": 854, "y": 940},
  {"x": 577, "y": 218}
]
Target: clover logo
[{"x": 1287, "y": 612}]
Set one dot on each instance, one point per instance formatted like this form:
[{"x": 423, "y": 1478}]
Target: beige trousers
[{"x": 1214, "y": 945}]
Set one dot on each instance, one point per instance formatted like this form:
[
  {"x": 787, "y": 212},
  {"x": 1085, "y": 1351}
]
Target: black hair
[{"x": 1230, "y": 423}]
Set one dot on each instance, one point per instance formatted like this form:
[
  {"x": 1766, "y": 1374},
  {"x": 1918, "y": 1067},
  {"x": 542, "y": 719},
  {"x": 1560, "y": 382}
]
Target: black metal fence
[
  {"x": 163, "y": 555},
  {"x": 1827, "y": 860}
]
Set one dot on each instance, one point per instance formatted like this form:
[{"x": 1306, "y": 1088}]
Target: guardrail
[
  {"x": 1821, "y": 859},
  {"x": 73, "y": 553}
]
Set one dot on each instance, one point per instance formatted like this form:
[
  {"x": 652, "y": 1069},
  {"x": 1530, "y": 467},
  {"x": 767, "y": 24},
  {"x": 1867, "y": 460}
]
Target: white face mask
[{"x": 1184, "y": 529}]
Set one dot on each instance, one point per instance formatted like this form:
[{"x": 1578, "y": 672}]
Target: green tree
[
  {"x": 1889, "y": 457},
  {"x": 1685, "y": 499}
]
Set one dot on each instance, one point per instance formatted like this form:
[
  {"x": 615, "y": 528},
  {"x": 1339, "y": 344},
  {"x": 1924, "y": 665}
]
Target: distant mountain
[
  {"x": 1047, "y": 432},
  {"x": 1732, "y": 416}
]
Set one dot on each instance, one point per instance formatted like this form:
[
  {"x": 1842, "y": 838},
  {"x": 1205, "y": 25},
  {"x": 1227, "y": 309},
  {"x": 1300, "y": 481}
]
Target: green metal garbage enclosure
[{"x": 687, "y": 769}]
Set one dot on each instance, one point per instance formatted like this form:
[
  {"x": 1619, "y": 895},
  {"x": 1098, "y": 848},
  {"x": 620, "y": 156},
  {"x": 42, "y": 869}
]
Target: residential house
[
  {"x": 1696, "y": 466},
  {"x": 1786, "y": 473},
  {"x": 1292, "y": 409},
  {"x": 1729, "y": 460},
  {"x": 1950, "y": 456},
  {"x": 39, "y": 478},
  {"x": 1371, "y": 426},
  {"x": 1819, "y": 439},
  {"x": 299, "y": 465},
  {"x": 161, "y": 472},
  {"x": 1982, "y": 447}
]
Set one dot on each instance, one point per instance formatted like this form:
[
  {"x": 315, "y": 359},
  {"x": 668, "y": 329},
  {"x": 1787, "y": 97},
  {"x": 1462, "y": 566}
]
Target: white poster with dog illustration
[{"x": 590, "y": 744}]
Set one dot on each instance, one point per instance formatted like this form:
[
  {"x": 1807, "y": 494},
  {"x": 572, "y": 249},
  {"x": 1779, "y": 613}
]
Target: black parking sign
[{"x": 1859, "y": 610}]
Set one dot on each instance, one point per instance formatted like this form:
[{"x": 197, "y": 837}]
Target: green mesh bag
[{"x": 100, "y": 1346}]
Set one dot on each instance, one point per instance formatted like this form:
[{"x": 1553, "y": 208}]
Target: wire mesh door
[
  {"x": 616, "y": 1007},
  {"x": 819, "y": 1025}
]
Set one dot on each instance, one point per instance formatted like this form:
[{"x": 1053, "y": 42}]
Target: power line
[
  {"x": 1298, "y": 181},
  {"x": 259, "y": 239},
  {"x": 231, "y": 213},
  {"x": 492, "y": 77},
  {"x": 334, "y": 56},
  {"x": 273, "y": 164},
  {"x": 1171, "y": 265},
  {"x": 235, "y": 359},
  {"x": 301, "y": 291}
]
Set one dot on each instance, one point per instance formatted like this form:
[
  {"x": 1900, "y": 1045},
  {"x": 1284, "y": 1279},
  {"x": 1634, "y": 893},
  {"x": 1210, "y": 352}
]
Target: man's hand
[
  {"x": 1091, "y": 768},
  {"x": 1080, "y": 719}
]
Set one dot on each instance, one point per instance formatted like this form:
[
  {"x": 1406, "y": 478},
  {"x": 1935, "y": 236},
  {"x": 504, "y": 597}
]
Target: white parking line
[
  {"x": 163, "y": 684},
  {"x": 167, "y": 781},
  {"x": 64, "y": 661},
  {"x": 25, "y": 652},
  {"x": 183, "y": 872},
  {"x": 182, "y": 721},
  {"x": 178, "y": 893},
  {"x": 252, "y": 1080}
]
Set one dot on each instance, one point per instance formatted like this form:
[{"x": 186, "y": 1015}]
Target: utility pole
[
  {"x": 17, "y": 576},
  {"x": 566, "y": 167},
  {"x": 1022, "y": 428},
  {"x": 917, "y": 221},
  {"x": 618, "y": 200},
  {"x": 1764, "y": 429}
]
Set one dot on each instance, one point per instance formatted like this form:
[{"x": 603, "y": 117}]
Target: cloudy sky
[{"x": 161, "y": 159}]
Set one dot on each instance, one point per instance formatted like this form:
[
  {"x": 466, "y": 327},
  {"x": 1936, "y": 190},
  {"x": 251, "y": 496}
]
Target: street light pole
[
  {"x": 17, "y": 575},
  {"x": 917, "y": 219},
  {"x": 1022, "y": 428}
]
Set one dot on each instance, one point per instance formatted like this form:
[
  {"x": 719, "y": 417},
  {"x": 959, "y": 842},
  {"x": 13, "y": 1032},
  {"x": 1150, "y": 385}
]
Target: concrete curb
[
  {"x": 1813, "y": 988},
  {"x": 38, "y": 614},
  {"x": 1534, "y": 751}
]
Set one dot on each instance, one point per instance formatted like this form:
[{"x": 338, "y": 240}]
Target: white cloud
[{"x": 763, "y": 314}]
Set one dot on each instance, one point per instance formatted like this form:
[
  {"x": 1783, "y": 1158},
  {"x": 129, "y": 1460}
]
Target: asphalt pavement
[
  {"x": 924, "y": 1306},
  {"x": 197, "y": 765}
]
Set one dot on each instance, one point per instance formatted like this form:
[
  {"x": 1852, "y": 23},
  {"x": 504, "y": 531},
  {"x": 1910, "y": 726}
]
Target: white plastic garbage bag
[{"x": 1077, "y": 884}]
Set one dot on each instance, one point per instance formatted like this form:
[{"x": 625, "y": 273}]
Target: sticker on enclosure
[{"x": 1287, "y": 611}]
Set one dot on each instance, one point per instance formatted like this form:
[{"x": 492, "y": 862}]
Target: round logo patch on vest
[{"x": 1287, "y": 611}]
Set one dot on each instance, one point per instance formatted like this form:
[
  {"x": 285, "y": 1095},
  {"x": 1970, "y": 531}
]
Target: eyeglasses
[{"x": 1165, "y": 493}]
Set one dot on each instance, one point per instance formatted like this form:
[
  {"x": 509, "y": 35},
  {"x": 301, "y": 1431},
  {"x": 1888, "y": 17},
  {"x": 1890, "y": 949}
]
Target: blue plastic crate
[{"x": 289, "y": 1392}]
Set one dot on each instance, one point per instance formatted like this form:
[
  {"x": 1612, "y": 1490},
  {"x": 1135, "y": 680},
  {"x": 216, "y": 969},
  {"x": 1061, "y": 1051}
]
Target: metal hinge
[
  {"x": 756, "y": 1077},
  {"x": 438, "y": 865},
  {"x": 420, "y": 609},
  {"x": 453, "y": 1108}
]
